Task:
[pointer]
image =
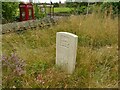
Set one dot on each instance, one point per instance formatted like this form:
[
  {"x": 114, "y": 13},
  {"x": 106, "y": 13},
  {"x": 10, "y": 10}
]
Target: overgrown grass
[{"x": 97, "y": 54}]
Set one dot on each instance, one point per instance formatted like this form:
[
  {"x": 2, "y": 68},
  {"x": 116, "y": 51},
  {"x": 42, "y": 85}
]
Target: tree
[
  {"x": 9, "y": 10},
  {"x": 113, "y": 6},
  {"x": 56, "y": 4}
]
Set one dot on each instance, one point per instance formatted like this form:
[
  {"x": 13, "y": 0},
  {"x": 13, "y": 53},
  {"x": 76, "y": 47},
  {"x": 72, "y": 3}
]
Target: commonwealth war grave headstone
[{"x": 66, "y": 47}]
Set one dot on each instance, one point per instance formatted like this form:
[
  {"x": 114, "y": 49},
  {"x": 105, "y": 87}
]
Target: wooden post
[
  {"x": 53, "y": 10},
  {"x": 50, "y": 11},
  {"x": 88, "y": 8},
  {"x": 45, "y": 9}
]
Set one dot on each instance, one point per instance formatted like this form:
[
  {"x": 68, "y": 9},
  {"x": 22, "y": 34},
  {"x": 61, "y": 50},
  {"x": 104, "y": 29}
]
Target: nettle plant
[{"x": 13, "y": 64}]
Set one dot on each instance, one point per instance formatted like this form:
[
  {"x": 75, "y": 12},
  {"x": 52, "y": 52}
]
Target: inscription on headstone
[{"x": 66, "y": 45}]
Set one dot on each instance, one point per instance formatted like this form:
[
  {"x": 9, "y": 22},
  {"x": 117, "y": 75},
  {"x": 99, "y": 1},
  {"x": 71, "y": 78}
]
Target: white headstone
[{"x": 66, "y": 47}]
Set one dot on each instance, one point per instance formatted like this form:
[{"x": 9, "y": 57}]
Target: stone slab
[{"x": 66, "y": 47}]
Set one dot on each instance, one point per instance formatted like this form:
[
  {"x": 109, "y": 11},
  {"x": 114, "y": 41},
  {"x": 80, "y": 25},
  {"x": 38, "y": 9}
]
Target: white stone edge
[{"x": 67, "y": 33}]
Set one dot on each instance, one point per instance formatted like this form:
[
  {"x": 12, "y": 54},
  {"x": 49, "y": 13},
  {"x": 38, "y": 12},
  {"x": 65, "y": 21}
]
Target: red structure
[{"x": 26, "y": 11}]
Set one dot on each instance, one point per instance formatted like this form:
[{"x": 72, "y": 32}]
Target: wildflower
[
  {"x": 39, "y": 79},
  {"x": 14, "y": 87},
  {"x": 15, "y": 63}
]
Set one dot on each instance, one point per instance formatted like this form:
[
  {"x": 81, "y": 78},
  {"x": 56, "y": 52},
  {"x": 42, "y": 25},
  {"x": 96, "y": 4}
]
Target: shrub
[
  {"x": 110, "y": 7},
  {"x": 56, "y": 4},
  {"x": 9, "y": 11}
]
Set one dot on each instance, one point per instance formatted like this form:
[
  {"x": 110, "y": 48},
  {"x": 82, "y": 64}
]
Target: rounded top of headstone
[{"x": 67, "y": 33}]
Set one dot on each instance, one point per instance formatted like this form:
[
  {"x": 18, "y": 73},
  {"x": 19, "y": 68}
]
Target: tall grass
[{"x": 97, "y": 54}]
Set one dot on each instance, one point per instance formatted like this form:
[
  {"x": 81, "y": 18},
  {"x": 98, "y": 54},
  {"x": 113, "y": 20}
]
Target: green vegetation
[
  {"x": 9, "y": 11},
  {"x": 114, "y": 6},
  {"x": 38, "y": 14},
  {"x": 81, "y": 8},
  {"x": 97, "y": 54},
  {"x": 62, "y": 9},
  {"x": 56, "y": 4}
]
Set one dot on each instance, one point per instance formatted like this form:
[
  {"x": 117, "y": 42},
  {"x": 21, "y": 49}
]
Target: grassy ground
[
  {"x": 97, "y": 54},
  {"x": 60, "y": 10}
]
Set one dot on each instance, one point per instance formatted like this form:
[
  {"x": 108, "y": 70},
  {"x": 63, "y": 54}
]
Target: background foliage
[
  {"x": 81, "y": 8},
  {"x": 114, "y": 6},
  {"x": 9, "y": 11}
]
